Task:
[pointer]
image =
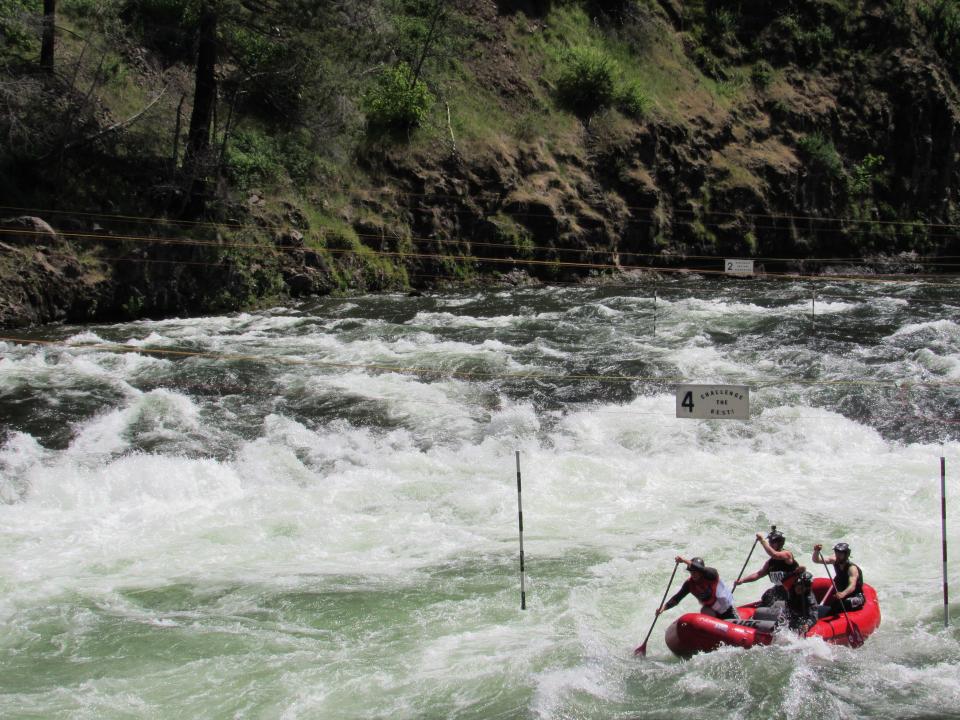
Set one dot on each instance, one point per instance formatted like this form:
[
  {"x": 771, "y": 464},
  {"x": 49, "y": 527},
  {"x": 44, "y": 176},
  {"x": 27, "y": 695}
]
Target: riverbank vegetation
[{"x": 203, "y": 155}]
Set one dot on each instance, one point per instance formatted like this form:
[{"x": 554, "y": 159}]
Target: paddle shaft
[
  {"x": 642, "y": 650},
  {"x": 749, "y": 555}
]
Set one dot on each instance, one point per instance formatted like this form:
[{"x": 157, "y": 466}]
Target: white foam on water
[{"x": 408, "y": 531}]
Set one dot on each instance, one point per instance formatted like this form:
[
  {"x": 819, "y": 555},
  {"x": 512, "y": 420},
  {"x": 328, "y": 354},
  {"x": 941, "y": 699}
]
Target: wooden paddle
[{"x": 642, "y": 650}]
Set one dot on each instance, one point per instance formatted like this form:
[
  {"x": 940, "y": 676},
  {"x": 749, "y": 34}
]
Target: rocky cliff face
[{"x": 810, "y": 129}]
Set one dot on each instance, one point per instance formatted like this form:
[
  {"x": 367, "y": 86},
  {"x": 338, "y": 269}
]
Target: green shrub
[
  {"x": 396, "y": 101},
  {"x": 633, "y": 101},
  {"x": 821, "y": 153},
  {"x": 251, "y": 157},
  {"x": 586, "y": 82},
  {"x": 761, "y": 74},
  {"x": 725, "y": 23},
  {"x": 15, "y": 19},
  {"x": 863, "y": 175}
]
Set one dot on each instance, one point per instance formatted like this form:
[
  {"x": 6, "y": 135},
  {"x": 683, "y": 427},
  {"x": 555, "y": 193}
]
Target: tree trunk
[
  {"x": 48, "y": 37},
  {"x": 437, "y": 10},
  {"x": 197, "y": 152}
]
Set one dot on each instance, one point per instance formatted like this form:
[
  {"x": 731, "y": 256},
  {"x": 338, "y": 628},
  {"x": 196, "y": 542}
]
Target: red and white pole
[
  {"x": 523, "y": 589},
  {"x": 943, "y": 530}
]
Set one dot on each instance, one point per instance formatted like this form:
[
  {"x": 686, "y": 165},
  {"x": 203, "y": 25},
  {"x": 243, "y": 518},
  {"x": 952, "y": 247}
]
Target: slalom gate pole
[
  {"x": 523, "y": 589},
  {"x": 943, "y": 530},
  {"x": 654, "y": 310},
  {"x": 813, "y": 309}
]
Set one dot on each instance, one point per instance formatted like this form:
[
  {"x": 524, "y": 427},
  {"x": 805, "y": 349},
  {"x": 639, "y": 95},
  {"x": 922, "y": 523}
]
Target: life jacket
[
  {"x": 711, "y": 593},
  {"x": 778, "y": 570},
  {"x": 842, "y": 578}
]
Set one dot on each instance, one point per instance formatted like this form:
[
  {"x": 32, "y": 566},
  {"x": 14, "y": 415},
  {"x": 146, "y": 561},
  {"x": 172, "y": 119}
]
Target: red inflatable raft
[{"x": 696, "y": 632}]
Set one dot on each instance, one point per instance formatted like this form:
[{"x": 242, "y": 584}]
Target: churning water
[{"x": 273, "y": 522}]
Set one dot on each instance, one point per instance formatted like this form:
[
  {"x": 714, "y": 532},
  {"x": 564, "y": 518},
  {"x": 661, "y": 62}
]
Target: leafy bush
[
  {"x": 633, "y": 101},
  {"x": 15, "y": 19},
  {"x": 252, "y": 157},
  {"x": 397, "y": 101},
  {"x": 586, "y": 82},
  {"x": 863, "y": 175},
  {"x": 725, "y": 23},
  {"x": 761, "y": 74},
  {"x": 822, "y": 154}
]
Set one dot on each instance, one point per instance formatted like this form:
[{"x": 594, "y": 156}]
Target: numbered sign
[
  {"x": 713, "y": 402},
  {"x": 738, "y": 267}
]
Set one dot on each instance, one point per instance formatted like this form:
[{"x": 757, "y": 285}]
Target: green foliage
[
  {"x": 251, "y": 157},
  {"x": 15, "y": 31},
  {"x": 587, "y": 80},
  {"x": 761, "y": 74},
  {"x": 633, "y": 100},
  {"x": 397, "y": 101},
  {"x": 724, "y": 23},
  {"x": 412, "y": 20},
  {"x": 810, "y": 44},
  {"x": 942, "y": 19},
  {"x": 510, "y": 231},
  {"x": 708, "y": 63},
  {"x": 821, "y": 154},
  {"x": 864, "y": 175}
]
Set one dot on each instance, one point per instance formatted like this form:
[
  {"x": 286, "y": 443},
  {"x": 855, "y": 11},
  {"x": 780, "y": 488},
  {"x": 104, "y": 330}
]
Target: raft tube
[{"x": 696, "y": 632}]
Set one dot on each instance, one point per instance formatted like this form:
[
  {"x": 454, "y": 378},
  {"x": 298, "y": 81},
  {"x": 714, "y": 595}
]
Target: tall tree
[
  {"x": 48, "y": 36},
  {"x": 197, "y": 154}
]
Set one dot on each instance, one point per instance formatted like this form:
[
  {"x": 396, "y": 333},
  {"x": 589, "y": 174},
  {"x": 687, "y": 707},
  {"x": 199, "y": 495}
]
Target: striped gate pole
[
  {"x": 523, "y": 589},
  {"x": 943, "y": 530}
]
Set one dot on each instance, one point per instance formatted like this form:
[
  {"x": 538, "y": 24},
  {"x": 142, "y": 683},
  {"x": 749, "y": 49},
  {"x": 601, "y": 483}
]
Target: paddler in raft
[
  {"x": 707, "y": 587},
  {"x": 780, "y": 567},
  {"x": 802, "y": 608},
  {"x": 848, "y": 581}
]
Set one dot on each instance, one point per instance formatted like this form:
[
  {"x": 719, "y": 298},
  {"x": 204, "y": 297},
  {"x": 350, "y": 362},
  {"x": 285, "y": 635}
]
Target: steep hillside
[{"x": 550, "y": 140}]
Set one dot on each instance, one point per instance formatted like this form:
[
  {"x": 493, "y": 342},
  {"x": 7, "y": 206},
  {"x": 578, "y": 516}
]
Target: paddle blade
[
  {"x": 641, "y": 651},
  {"x": 854, "y": 636}
]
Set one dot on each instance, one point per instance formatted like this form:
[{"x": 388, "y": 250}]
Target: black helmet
[
  {"x": 775, "y": 535},
  {"x": 841, "y": 547},
  {"x": 805, "y": 579},
  {"x": 697, "y": 563}
]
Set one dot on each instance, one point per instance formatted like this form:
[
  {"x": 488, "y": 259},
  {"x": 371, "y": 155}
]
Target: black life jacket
[
  {"x": 842, "y": 578},
  {"x": 777, "y": 569}
]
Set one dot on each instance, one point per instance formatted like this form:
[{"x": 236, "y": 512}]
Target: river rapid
[{"x": 311, "y": 511}]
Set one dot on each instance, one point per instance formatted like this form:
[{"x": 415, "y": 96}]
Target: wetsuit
[
  {"x": 853, "y": 601},
  {"x": 781, "y": 574},
  {"x": 713, "y": 595}
]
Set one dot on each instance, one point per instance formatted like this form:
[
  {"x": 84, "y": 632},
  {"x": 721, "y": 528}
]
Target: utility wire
[{"x": 185, "y": 242}]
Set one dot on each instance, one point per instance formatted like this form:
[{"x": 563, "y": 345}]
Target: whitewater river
[{"x": 262, "y": 518}]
